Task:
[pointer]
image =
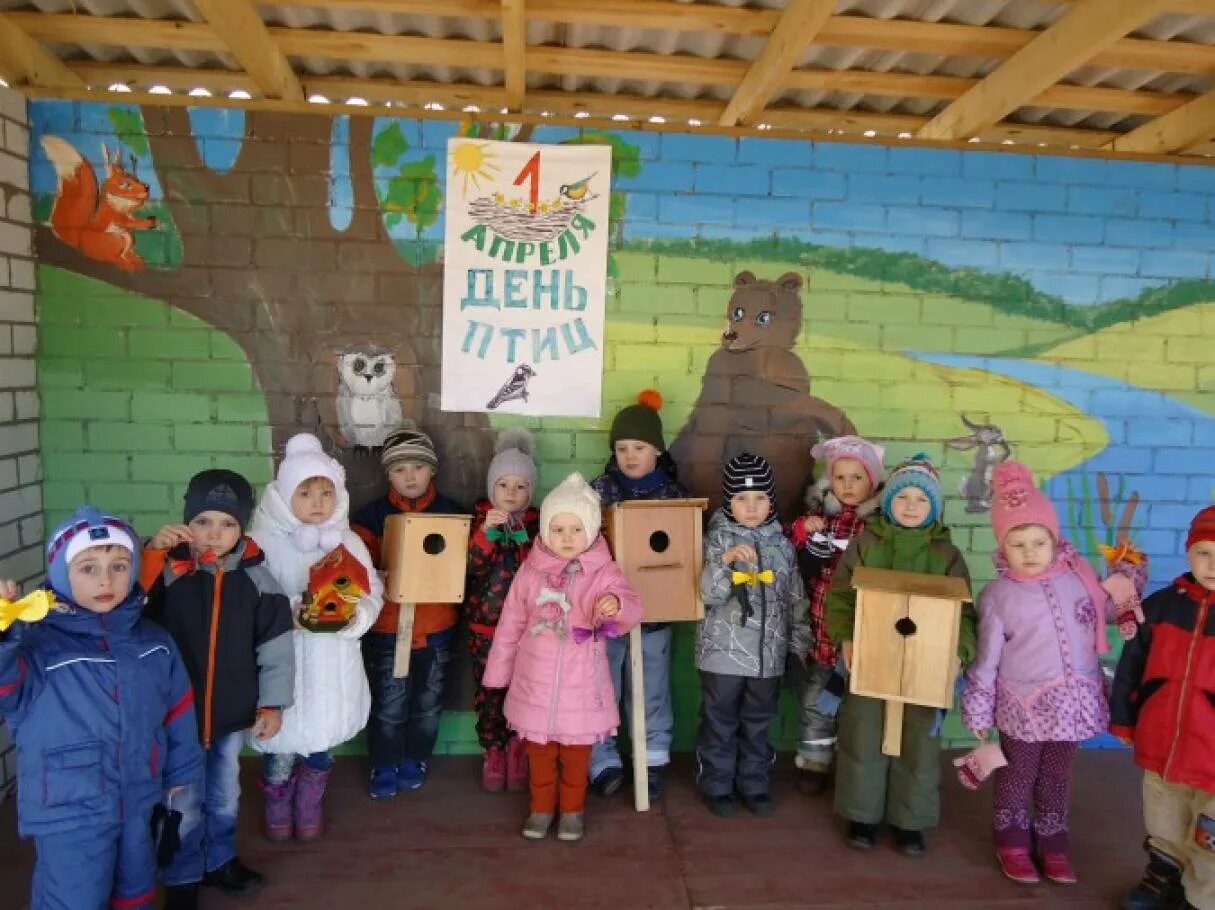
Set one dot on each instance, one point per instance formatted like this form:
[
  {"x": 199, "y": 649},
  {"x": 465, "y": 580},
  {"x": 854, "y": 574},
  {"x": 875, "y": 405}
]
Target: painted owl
[{"x": 367, "y": 403}]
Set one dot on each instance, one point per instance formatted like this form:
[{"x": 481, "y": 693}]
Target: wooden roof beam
[
  {"x": 799, "y": 23},
  {"x": 514, "y": 46},
  {"x": 23, "y": 61},
  {"x": 1071, "y": 42},
  {"x": 242, "y": 30},
  {"x": 1190, "y": 125}
]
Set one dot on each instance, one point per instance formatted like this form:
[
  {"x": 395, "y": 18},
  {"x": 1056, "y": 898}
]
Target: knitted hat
[
  {"x": 218, "y": 490},
  {"x": 1016, "y": 501},
  {"x": 1202, "y": 527},
  {"x": 87, "y": 528},
  {"x": 303, "y": 459},
  {"x": 869, "y": 455},
  {"x": 746, "y": 472},
  {"x": 640, "y": 421},
  {"x": 514, "y": 457},
  {"x": 576, "y": 497},
  {"x": 917, "y": 471},
  {"x": 408, "y": 443}
]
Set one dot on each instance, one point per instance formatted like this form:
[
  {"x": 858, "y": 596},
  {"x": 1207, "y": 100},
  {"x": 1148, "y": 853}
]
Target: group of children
[{"x": 132, "y": 696}]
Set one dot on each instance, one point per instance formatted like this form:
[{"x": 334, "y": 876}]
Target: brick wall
[
  {"x": 1067, "y": 301},
  {"x": 21, "y": 528}
]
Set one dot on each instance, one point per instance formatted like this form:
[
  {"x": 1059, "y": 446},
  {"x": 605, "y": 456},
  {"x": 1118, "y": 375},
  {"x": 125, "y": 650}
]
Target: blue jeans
[
  {"x": 277, "y": 767},
  {"x": 208, "y": 818},
  {"x": 659, "y": 711},
  {"x": 404, "y": 723}
]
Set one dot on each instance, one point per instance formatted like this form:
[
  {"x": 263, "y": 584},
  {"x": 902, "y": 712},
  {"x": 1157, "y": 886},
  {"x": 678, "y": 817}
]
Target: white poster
[{"x": 525, "y": 269}]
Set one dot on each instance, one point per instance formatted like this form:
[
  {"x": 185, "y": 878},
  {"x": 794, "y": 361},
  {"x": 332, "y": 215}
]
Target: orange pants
[{"x": 575, "y": 762}]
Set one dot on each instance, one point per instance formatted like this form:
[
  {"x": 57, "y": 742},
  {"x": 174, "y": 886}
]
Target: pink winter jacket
[{"x": 547, "y": 653}]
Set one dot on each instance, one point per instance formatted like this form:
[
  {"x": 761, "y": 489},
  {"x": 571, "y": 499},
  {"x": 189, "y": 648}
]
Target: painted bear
[{"x": 755, "y": 396}]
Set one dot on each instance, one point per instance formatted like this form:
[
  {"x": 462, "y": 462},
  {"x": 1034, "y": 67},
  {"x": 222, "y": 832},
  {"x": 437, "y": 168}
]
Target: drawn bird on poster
[
  {"x": 514, "y": 388},
  {"x": 578, "y": 190},
  {"x": 367, "y": 403}
]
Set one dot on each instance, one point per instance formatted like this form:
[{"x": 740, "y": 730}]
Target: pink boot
[
  {"x": 309, "y": 808},
  {"x": 1016, "y": 864},
  {"x": 1058, "y": 868},
  {"x": 516, "y": 766},
  {"x": 493, "y": 771},
  {"x": 279, "y": 814}
]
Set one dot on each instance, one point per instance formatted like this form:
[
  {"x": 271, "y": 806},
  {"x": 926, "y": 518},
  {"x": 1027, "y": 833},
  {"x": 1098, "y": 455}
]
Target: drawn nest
[{"x": 515, "y": 223}]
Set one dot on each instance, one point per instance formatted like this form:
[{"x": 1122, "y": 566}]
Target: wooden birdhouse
[
  {"x": 335, "y": 585},
  {"x": 905, "y": 642},
  {"x": 657, "y": 543},
  {"x": 426, "y": 556}
]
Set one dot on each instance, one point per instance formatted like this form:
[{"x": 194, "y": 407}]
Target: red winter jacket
[{"x": 1164, "y": 689}]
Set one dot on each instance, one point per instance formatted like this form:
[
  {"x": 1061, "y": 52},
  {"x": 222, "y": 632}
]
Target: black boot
[
  {"x": 813, "y": 783},
  {"x": 608, "y": 781},
  {"x": 181, "y": 897},
  {"x": 234, "y": 878},
  {"x": 1160, "y": 888},
  {"x": 862, "y": 836},
  {"x": 909, "y": 841}
]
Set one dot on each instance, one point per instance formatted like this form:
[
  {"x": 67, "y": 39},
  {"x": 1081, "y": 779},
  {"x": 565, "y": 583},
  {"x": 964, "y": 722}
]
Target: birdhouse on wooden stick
[
  {"x": 657, "y": 543},
  {"x": 905, "y": 642}
]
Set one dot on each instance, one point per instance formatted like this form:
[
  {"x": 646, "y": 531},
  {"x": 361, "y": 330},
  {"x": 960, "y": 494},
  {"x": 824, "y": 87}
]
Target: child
[
  {"x": 100, "y": 705},
  {"x": 503, "y": 529},
  {"x": 1037, "y": 676},
  {"x": 566, "y": 600},
  {"x": 871, "y": 787},
  {"x": 752, "y": 594},
  {"x": 300, "y": 520},
  {"x": 405, "y": 711},
  {"x": 1162, "y": 700},
  {"x": 844, "y": 496},
  {"x": 639, "y": 468},
  {"x": 209, "y": 587}
]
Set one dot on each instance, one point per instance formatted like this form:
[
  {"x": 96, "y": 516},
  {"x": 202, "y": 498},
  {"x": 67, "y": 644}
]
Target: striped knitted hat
[
  {"x": 745, "y": 472},
  {"x": 917, "y": 471},
  {"x": 408, "y": 443},
  {"x": 86, "y": 528}
]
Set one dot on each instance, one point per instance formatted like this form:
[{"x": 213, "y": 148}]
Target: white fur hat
[
  {"x": 576, "y": 497},
  {"x": 305, "y": 458}
]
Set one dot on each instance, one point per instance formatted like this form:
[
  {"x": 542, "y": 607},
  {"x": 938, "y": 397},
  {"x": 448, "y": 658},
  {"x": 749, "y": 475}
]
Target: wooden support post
[
  {"x": 641, "y": 784},
  {"x": 400, "y": 659},
  {"x": 892, "y": 729}
]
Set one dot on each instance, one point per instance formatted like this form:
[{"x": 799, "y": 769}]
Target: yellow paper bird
[
  {"x": 576, "y": 191},
  {"x": 30, "y": 608}
]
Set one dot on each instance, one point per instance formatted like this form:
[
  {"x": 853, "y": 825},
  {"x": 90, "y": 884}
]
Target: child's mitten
[
  {"x": 166, "y": 834},
  {"x": 978, "y": 764},
  {"x": 833, "y": 690}
]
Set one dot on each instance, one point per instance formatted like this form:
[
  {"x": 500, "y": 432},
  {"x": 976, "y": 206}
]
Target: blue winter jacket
[{"x": 102, "y": 712}]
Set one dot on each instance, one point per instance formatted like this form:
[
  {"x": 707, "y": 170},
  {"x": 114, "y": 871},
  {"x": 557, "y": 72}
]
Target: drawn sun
[{"x": 473, "y": 163}]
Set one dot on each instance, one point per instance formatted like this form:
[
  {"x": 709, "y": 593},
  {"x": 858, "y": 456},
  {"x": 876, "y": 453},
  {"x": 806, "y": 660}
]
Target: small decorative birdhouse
[
  {"x": 657, "y": 543},
  {"x": 905, "y": 643},
  {"x": 335, "y": 585},
  {"x": 426, "y": 556}
]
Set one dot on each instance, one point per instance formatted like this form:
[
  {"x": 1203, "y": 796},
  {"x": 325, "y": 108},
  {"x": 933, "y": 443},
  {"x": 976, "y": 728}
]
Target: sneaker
[
  {"x": 383, "y": 782},
  {"x": 181, "y": 897},
  {"x": 1016, "y": 864},
  {"x": 812, "y": 783},
  {"x": 537, "y": 825},
  {"x": 608, "y": 781},
  {"x": 655, "y": 783},
  {"x": 234, "y": 878},
  {"x": 1058, "y": 869},
  {"x": 411, "y": 775},
  {"x": 570, "y": 827},
  {"x": 493, "y": 771},
  {"x": 909, "y": 841},
  {"x": 723, "y": 806},
  {"x": 760, "y": 804},
  {"x": 861, "y": 836}
]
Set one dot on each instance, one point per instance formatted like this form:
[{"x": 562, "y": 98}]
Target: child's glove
[
  {"x": 166, "y": 833},
  {"x": 833, "y": 690},
  {"x": 33, "y": 607}
]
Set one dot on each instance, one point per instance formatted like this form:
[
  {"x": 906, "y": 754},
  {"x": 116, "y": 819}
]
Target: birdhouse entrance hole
[
  {"x": 659, "y": 541},
  {"x": 433, "y": 544}
]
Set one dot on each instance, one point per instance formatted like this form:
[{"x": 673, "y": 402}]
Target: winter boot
[
  {"x": 493, "y": 770},
  {"x": 280, "y": 811},
  {"x": 1057, "y": 867},
  {"x": 181, "y": 897},
  {"x": 1017, "y": 865},
  {"x": 309, "y": 803},
  {"x": 570, "y": 826},
  {"x": 537, "y": 824},
  {"x": 1160, "y": 888},
  {"x": 516, "y": 766}
]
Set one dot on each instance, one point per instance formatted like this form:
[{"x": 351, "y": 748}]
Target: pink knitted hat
[
  {"x": 868, "y": 454},
  {"x": 1016, "y": 501}
]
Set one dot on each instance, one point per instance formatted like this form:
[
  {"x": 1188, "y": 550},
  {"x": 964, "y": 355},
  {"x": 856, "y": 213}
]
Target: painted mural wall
[{"x": 256, "y": 268}]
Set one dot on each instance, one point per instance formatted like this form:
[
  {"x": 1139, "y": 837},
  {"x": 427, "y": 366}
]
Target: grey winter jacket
[{"x": 749, "y": 629}]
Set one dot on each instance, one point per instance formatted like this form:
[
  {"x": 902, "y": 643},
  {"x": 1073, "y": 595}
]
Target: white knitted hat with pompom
[
  {"x": 514, "y": 457},
  {"x": 305, "y": 458}
]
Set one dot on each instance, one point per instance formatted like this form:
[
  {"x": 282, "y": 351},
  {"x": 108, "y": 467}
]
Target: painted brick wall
[
  {"x": 21, "y": 527},
  {"x": 1067, "y": 301}
]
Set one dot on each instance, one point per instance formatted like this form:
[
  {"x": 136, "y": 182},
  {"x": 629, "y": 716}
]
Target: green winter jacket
[{"x": 884, "y": 545}]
